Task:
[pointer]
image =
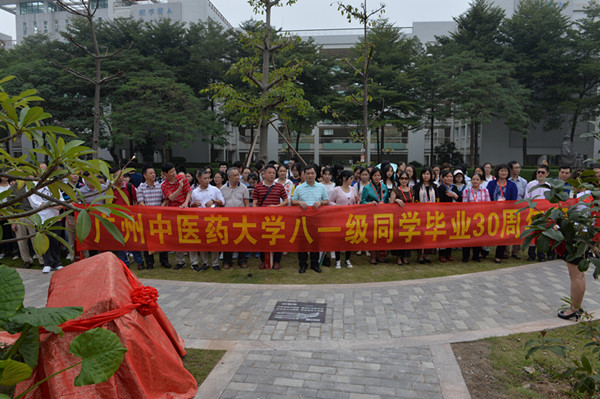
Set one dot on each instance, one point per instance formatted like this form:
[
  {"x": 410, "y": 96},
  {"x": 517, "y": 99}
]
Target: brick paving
[{"x": 379, "y": 340}]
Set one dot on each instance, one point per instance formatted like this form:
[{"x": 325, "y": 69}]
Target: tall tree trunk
[
  {"x": 298, "y": 141},
  {"x": 475, "y": 138},
  {"x": 366, "y": 134},
  {"x": 574, "y": 119},
  {"x": 378, "y": 145},
  {"x": 266, "y": 54},
  {"x": 431, "y": 127},
  {"x": 523, "y": 162},
  {"x": 97, "y": 84}
]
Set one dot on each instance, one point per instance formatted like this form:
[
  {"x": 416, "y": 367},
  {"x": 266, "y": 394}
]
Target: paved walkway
[{"x": 379, "y": 340}]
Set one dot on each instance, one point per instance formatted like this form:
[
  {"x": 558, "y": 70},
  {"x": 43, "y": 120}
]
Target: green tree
[
  {"x": 317, "y": 82},
  {"x": 537, "y": 46},
  {"x": 478, "y": 30},
  {"x": 447, "y": 152},
  {"x": 87, "y": 11},
  {"x": 579, "y": 85},
  {"x": 213, "y": 50},
  {"x": 156, "y": 112},
  {"x": 480, "y": 90},
  {"x": 392, "y": 82},
  {"x": 431, "y": 74},
  {"x": 364, "y": 16},
  {"x": 269, "y": 92}
]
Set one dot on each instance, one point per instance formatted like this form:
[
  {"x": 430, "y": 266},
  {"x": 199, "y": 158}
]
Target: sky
[{"x": 320, "y": 14}]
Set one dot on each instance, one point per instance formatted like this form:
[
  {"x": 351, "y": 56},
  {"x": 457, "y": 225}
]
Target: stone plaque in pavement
[{"x": 299, "y": 311}]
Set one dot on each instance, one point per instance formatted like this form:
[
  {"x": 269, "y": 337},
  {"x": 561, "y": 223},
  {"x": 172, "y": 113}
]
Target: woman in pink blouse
[{"x": 344, "y": 194}]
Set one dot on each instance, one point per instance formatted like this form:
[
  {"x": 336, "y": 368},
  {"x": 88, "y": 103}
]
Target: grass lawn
[
  {"x": 496, "y": 368},
  {"x": 200, "y": 362},
  {"x": 363, "y": 272}
]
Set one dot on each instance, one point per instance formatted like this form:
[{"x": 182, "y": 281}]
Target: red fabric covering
[{"x": 152, "y": 368}]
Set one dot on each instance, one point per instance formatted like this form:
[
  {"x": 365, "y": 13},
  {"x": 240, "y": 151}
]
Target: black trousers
[
  {"x": 52, "y": 256},
  {"x": 476, "y": 253},
  {"x": 303, "y": 259},
  {"x": 500, "y": 249},
  {"x": 338, "y": 255},
  {"x": 163, "y": 257}
]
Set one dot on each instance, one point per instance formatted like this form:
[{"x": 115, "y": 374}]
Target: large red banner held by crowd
[{"x": 329, "y": 228}]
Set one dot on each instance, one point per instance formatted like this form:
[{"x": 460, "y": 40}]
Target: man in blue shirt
[{"x": 310, "y": 193}]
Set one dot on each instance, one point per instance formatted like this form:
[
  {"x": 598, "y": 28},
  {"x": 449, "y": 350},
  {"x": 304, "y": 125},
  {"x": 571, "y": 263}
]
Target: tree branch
[{"x": 287, "y": 141}]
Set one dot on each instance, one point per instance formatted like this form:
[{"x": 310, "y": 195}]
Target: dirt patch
[{"x": 486, "y": 382}]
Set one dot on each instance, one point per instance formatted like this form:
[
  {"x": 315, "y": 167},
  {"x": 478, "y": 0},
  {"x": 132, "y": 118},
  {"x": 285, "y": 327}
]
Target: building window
[
  {"x": 35, "y": 29},
  {"x": 56, "y": 26},
  {"x": 45, "y": 26},
  {"x": 101, "y": 3},
  {"x": 24, "y": 28},
  {"x": 31, "y": 7},
  {"x": 327, "y": 132}
]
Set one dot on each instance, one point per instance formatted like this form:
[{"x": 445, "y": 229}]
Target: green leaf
[
  {"x": 559, "y": 350},
  {"x": 49, "y": 318},
  {"x": 3, "y": 396},
  {"x": 84, "y": 225},
  {"x": 555, "y": 235},
  {"x": 101, "y": 352},
  {"x": 30, "y": 346},
  {"x": 12, "y": 293},
  {"x": 112, "y": 229},
  {"x": 583, "y": 265},
  {"x": 531, "y": 351},
  {"x": 41, "y": 243},
  {"x": 13, "y": 372},
  {"x": 585, "y": 363},
  {"x": 543, "y": 243}
]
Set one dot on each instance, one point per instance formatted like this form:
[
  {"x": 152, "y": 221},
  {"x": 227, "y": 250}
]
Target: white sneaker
[
  {"x": 46, "y": 269},
  {"x": 338, "y": 264},
  {"x": 1, "y": 256},
  {"x": 58, "y": 267},
  {"x": 367, "y": 253},
  {"x": 70, "y": 256},
  {"x": 348, "y": 264}
]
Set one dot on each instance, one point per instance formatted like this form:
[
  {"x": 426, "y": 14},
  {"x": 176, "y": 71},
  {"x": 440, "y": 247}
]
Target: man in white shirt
[
  {"x": 52, "y": 256},
  {"x": 236, "y": 195},
  {"x": 205, "y": 196}
]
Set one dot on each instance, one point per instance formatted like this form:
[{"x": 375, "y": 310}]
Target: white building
[{"x": 45, "y": 16}]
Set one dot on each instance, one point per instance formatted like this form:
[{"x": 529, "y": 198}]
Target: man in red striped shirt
[
  {"x": 176, "y": 189},
  {"x": 270, "y": 193},
  {"x": 177, "y": 193}
]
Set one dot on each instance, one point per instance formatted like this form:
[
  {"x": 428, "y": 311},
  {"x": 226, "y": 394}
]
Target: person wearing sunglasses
[{"x": 535, "y": 190}]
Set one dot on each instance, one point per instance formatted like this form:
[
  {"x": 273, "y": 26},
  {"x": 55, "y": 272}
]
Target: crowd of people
[{"x": 293, "y": 184}]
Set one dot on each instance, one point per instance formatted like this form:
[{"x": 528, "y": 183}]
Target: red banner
[{"x": 330, "y": 228}]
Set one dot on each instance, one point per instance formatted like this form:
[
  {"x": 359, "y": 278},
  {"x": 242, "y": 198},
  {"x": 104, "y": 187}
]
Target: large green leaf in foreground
[
  {"x": 12, "y": 293},
  {"x": 13, "y": 372},
  {"x": 101, "y": 352},
  {"x": 49, "y": 318}
]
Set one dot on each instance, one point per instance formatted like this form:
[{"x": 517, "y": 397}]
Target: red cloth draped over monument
[{"x": 152, "y": 367}]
